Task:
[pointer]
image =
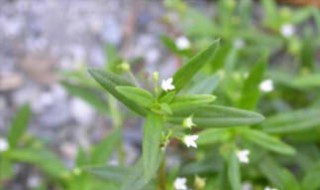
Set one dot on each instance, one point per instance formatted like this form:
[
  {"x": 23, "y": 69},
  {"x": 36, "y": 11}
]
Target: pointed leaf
[
  {"x": 110, "y": 81},
  {"x": 40, "y": 157},
  {"x": 216, "y": 116},
  {"x": 250, "y": 90},
  {"x": 292, "y": 122},
  {"x": 211, "y": 136},
  {"x": 140, "y": 96},
  {"x": 135, "y": 178},
  {"x": 267, "y": 142},
  {"x": 103, "y": 151},
  {"x": 280, "y": 177},
  {"x": 19, "y": 125},
  {"x": 186, "y": 72},
  {"x": 152, "y": 132},
  {"x": 234, "y": 174},
  {"x": 190, "y": 101},
  {"x": 111, "y": 173}
]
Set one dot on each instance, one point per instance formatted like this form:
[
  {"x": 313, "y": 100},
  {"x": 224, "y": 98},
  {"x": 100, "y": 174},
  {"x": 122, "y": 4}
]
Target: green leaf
[
  {"x": 292, "y": 122},
  {"x": 140, "y": 96},
  {"x": 234, "y": 174},
  {"x": 220, "y": 57},
  {"x": 216, "y": 116},
  {"x": 267, "y": 142},
  {"x": 110, "y": 81},
  {"x": 311, "y": 179},
  {"x": 152, "y": 132},
  {"x": 186, "y": 72},
  {"x": 7, "y": 166},
  {"x": 19, "y": 125},
  {"x": 250, "y": 90},
  {"x": 103, "y": 151},
  {"x": 82, "y": 158},
  {"x": 205, "y": 86},
  {"x": 135, "y": 178},
  {"x": 111, "y": 173},
  {"x": 168, "y": 97},
  {"x": 308, "y": 81},
  {"x": 40, "y": 157},
  {"x": 88, "y": 94},
  {"x": 280, "y": 177},
  {"x": 211, "y": 136},
  {"x": 190, "y": 101}
]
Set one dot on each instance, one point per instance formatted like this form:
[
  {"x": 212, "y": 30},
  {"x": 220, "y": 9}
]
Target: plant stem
[
  {"x": 162, "y": 174},
  {"x": 117, "y": 124}
]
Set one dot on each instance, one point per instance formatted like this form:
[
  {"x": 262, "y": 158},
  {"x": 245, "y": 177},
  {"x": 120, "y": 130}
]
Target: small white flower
[
  {"x": 266, "y": 85},
  {"x": 238, "y": 43},
  {"x": 269, "y": 188},
  {"x": 287, "y": 30},
  {"x": 243, "y": 156},
  {"x": 3, "y": 145},
  {"x": 188, "y": 122},
  {"x": 190, "y": 140},
  {"x": 167, "y": 85},
  {"x": 182, "y": 43},
  {"x": 180, "y": 183}
]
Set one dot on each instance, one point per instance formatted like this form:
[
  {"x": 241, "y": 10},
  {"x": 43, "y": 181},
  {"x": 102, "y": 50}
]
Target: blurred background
[{"x": 47, "y": 45}]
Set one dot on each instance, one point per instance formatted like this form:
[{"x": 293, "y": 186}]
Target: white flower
[
  {"x": 188, "y": 123},
  {"x": 269, "y": 188},
  {"x": 182, "y": 43},
  {"x": 180, "y": 183},
  {"x": 167, "y": 85},
  {"x": 190, "y": 140},
  {"x": 266, "y": 85},
  {"x": 238, "y": 43},
  {"x": 3, "y": 145},
  {"x": 287, "y": 30},
  {"x": 243, "y": 156}
]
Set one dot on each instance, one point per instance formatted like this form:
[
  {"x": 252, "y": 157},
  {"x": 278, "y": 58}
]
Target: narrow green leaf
[
  {"x": 111, "y": 173},
  {"x": 82, "y": 158},
  {"x": 140, "y": 96},
  {"x": 234, "y": 174},
  {"x": 110, "y": 81},
  {"x": 103, "y": 151},
  {"x": 135, "y": 178},
  {"x": 19, "y": 125},
  {"x": 311, "y": 179},
  {"x": 211, "y": 136},
  {"x": 267, "y": 142},
  {"x": 190, "y": 101},
  {"x": 88, "y": 94},
  {"x": 186, "y": 72},
  {"x": 292, "y": 122},
  {"x": 151, "y": 144},
  {"x": 216, "y": 116},
  {"x": 250, "y": 90},
  {"x": 6, "y": 167},
  {"x": 205, "y": 86},
  {"x": 280, "y": 177},
  {"x": 308, "y": 81},
  {"x": 40, "y": 157}
]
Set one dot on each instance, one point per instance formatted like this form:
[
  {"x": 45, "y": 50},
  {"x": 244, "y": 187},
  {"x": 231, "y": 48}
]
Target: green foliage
[
  {"x": 19, "y": 125},
  {"x": 151, "y": 144}
]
